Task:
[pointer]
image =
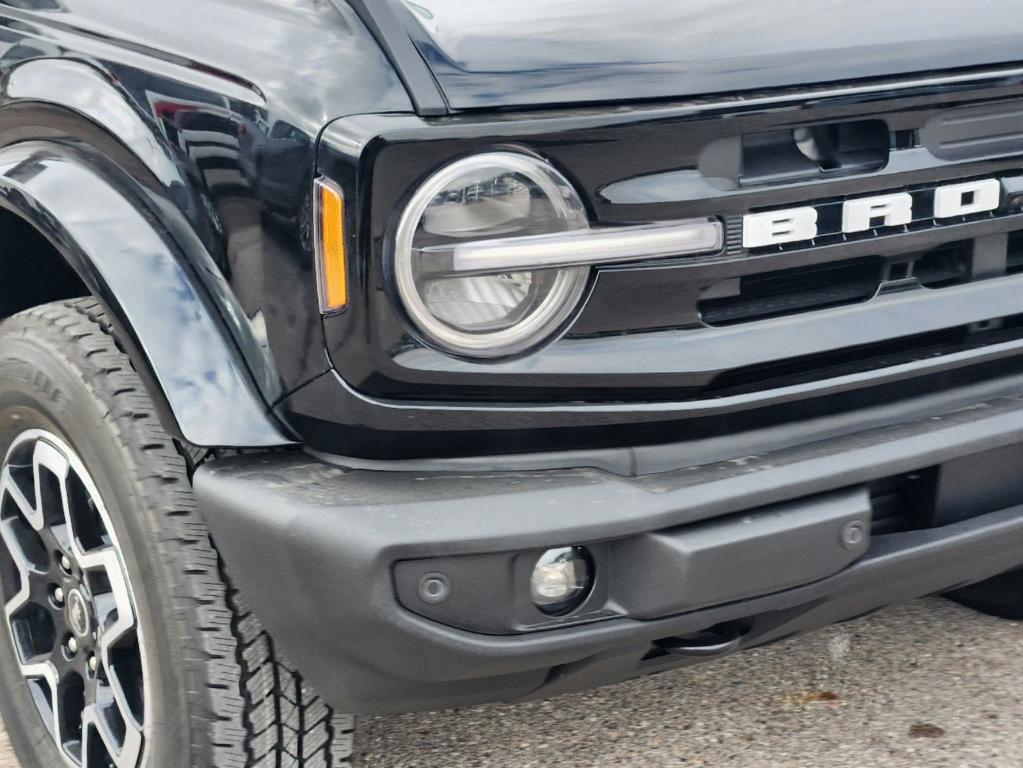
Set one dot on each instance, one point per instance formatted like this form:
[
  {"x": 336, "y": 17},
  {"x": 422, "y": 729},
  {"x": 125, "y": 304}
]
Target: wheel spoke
[
  {"x": 9, "y": 488},
  {"x": 47, "y": 456},
  {"x": 16, "y": 544},
  {"x": 116, "y": 617},
  {"x": 44, "y": 674},
  {"x": 118, "y": 739},
  {"x": 21, "y": 561},
  {"x": 70, "y": 706},
  {"x": 115, "y": 611},
  {"x": 50, "y": 468}
]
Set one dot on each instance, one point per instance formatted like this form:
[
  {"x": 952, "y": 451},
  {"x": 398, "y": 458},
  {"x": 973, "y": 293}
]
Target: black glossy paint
[
  {"x": 639, "y": 365},
  {"x": 148, "y": 290},
  {"x": 494, "y": 53},
  {"x": 210, "y": 110},
  {"x": 210, "y": 119}
]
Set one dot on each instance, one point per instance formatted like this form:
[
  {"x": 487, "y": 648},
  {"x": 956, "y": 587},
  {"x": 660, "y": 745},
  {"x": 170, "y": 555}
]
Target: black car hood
[{"x": 520, "y": 53}]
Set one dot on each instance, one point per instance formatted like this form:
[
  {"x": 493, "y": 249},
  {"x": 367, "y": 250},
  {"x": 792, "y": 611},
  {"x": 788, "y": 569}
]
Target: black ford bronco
[{"x": 367, "y": 356}]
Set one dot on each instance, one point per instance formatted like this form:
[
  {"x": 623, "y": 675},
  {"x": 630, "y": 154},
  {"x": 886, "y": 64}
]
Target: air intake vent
[
  {"x": 821, "y": 286},
  {"x": 964, "y": 134},
  {"x": 789, "y": 291}
]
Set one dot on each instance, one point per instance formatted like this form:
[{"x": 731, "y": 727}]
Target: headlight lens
[
  {"x": 485, "y": 197},
  {"x": 562, "y": 580}
]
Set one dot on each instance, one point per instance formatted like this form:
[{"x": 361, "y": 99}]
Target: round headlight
[{"x": 484, "y": 313}]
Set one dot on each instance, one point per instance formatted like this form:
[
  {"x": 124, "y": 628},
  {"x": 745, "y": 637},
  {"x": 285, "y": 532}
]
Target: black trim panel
[{"x": 310, "y": 521}]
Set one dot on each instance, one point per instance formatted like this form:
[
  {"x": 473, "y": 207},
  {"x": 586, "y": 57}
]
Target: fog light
[{"x": 561, "y": 580}]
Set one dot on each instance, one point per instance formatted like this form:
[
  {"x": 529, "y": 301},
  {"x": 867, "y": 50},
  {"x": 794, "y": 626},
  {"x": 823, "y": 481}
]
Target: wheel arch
[
  {"x": 43, "y": 278},
  {"x": 120, "y": 234},
  {"x": 97, "y": 181},
  {"x": 114, "y": 249}
]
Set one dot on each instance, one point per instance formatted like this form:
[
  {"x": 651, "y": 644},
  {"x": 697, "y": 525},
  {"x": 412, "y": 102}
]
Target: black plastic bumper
[{"x": 314, "y": 548}]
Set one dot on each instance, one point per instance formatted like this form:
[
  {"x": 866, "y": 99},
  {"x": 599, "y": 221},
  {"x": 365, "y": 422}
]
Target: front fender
[{"x": 106, "y": 225}]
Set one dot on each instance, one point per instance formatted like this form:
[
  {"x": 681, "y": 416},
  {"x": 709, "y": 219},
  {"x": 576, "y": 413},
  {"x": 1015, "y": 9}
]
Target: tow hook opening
[{"x": 719, "y": 640}]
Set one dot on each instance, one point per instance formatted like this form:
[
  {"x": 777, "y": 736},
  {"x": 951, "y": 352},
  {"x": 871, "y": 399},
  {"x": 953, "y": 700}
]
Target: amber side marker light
[{"x": 331, "y": 258}]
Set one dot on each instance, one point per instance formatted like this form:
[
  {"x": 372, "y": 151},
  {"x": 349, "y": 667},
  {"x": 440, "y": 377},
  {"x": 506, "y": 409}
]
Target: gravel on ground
[{"x": 927, "y": 684}]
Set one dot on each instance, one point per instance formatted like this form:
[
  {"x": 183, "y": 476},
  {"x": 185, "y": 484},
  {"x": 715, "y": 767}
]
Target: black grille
[
  {"x": 903, "y": 502},
  {"x": 1014, "y": 261},
  {"x": 789, "y": 291},
  {"x": 821, "y": 286},
  {"x": 799, "y": 370}
]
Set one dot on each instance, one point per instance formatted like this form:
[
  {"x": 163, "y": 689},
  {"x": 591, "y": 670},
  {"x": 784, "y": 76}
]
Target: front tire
[{"x": 197, "y": 681}]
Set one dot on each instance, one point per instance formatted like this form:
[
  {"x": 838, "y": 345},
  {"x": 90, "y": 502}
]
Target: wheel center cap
[{"x": 78, "y": 614}]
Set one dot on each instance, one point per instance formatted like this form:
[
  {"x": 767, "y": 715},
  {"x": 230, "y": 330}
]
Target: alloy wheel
[{"x": 68, "y": 605}]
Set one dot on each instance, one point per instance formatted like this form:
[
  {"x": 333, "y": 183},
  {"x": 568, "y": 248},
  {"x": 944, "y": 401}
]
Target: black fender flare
[
  {"x": 173, "y": 327},
  {"x": 101, "y": 182}
]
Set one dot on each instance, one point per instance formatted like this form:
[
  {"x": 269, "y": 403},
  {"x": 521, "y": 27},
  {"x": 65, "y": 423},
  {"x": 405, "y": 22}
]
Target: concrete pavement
[{"x": 928, "y": 684}]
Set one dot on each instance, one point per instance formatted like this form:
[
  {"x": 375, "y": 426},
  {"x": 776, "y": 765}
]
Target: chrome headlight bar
[{"x": 493, "y": 254}]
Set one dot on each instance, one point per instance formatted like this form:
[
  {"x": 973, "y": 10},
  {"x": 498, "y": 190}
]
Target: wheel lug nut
[
  {"x": 93, "y": 665},
  {"x": 65, "y": 563},
  {"x": 72, "y": 646},
  {"x": 58, "y": 596}
]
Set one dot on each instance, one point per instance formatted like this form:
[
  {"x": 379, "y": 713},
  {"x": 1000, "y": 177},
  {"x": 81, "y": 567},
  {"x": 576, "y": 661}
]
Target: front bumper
[{"x": 314, "y": 547}]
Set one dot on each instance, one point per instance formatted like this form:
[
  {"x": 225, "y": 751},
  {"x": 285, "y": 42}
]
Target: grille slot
[
  {"x": 789, "y": 291},
  {"x": 1014, "y": 262},
  {"x": 873, "y": 357},
  {"x": 903, "y": 502},
  {"x": 822, "y": 286}
]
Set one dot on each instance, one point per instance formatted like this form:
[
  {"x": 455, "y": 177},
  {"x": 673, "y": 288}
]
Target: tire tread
[{"x": 254, "y": 710}]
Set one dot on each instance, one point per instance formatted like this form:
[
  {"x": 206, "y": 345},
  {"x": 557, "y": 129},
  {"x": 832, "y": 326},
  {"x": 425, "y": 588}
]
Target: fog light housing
[{"x": 562, "y": 580}]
